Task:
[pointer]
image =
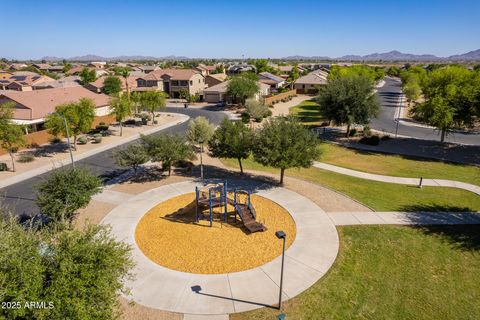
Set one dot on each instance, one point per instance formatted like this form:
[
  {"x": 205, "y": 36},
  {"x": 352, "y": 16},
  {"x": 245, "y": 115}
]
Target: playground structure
[{"x": 216, "y": 196}]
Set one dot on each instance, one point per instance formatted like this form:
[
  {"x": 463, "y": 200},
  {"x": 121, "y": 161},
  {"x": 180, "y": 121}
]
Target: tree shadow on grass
[
  {"x": 463, "y": 237},
  {"x": 418, "y": 208},
  {"x": 459, "y": 226}
]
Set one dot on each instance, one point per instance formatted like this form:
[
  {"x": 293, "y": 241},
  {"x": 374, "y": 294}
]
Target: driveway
[
  {"x": 20, "y": 197},
  {"x": 389, "y": 96}
]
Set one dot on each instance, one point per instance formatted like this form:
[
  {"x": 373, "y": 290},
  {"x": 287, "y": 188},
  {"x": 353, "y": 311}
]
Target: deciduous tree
[
  {"x": 348, "y": 100},
  {"x": 242, "y": 87},
  {"x": 70, "y": 270},
  {"x": 134, "y": 155},
  {"x": 167, "y": 149},
  {"x": 11, "y": 135},
  {"x": 112, "y": 85},
  {"x": 284, "y": 143},
  {"x": 232, "y": 140},
  {"x": 121, "y": 107},
  {"x": 65, "y": 191},
  {"x": 79, "y": 117},
  {"x": 88, "y": 75}
]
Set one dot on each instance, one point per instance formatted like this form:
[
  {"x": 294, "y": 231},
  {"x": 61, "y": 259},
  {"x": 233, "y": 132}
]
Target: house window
[
  {"x": 303, "y": 86},
  {"x": 191, "y": 82},
  {"x": 174, "y": 83}
]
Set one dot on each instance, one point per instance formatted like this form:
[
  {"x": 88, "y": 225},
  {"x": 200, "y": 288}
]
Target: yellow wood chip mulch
[{"x": 172, "y": 238}]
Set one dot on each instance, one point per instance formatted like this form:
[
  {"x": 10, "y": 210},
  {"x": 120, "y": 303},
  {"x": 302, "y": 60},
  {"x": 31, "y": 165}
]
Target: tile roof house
[
  {"x": 23, "y": 83},
  {"x": 205, "y": 70},
  {"x": 97, "y": 85},
  {"x": 172, "y": 81},
  {"x": 217, "y": 93},
  {"x": 309, "y": 83},
  {"x": 33, "y": 106},
  {"x": 148, "y": 69},
  {"x": 275, "y": 82},
  {"x": 213, "y": 79}
]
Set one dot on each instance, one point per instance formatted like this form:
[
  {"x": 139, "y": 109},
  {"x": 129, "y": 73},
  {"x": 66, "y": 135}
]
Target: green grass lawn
[
  {"x": 395, "y": 165},
  {"x": 378, "y": 195},
  {"x": 308, "y": 113},
  {"x": 393, "y": 272}
]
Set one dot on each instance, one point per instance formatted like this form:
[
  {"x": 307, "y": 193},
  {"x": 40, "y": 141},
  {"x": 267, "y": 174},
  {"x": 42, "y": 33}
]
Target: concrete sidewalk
[
  {"x": 404, "y": 218},
  {"x": 399, "y": 180},
  {"x": 38, "y": 171}
]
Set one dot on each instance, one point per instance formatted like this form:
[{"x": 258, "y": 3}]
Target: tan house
[
  {"x": 97, "y": 85},
  {"x": 206, "y": 70},
  {"x": 309, "y": 83},
  {"x": 32, "y": 107},
  {"x": 173, "y": 81},
  {"x": 214, "y": 79},
  {"x": 217, "y": 93},
  {"x": 23, "y": 83}
]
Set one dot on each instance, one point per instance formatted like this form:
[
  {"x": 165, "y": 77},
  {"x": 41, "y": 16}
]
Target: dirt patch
[
  {"x": 93, "y": 213},
  {"x": 171, "y": 237},
  {"x": 133, "y": 311}
]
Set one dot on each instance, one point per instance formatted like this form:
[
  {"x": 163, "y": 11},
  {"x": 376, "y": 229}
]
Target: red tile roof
[{"x": 42, "y": 102}]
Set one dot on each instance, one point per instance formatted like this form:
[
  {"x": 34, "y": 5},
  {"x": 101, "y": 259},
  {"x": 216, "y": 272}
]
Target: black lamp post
[
  {"x": 201, "y": 158},
  {"x": 281, "y": 235}
]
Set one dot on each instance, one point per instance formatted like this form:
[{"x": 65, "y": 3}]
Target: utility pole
[
  {"x": 68, "y": 142},
  {"x": 399, "y": 113}
]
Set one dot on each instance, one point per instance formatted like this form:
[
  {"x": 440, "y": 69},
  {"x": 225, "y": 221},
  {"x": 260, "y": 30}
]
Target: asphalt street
[
  {"x": 20, "y": 197},
  {"x": 390, "y": 95}
]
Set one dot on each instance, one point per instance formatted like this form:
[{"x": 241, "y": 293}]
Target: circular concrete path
[{"x": 307, "y": 259}]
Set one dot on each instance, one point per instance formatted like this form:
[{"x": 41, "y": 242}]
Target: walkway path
[
  {"x": 399, "y": 180},
  {"x": 404, "y": 218},
  {"x": 283, "y": 108}
]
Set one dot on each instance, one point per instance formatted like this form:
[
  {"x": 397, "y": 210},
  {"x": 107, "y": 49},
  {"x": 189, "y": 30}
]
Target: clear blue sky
[{"x": 264, "y": 28}]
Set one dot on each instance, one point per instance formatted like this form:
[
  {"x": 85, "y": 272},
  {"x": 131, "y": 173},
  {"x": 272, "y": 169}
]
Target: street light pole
[
  {"x": 68, "y": 142},
  {"x": 399, "y": 113},
  {"x": 201, "y": 159},
  {"x": 283, "y": 236}
]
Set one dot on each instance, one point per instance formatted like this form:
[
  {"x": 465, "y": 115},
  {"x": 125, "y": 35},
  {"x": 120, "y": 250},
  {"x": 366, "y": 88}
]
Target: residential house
[
  {"x": 148, "y": 69},
  {"x": 214, "y": 79},
  {"x": 217, "y": 93},
  {"x": 42, "y": 66},
  {"x": 97, "y": 64},
  {"x": 206, "y": 70},
  {"x": 239, "y": 68},
  {"x": 65, "y": 82},
  {"x": 33, "y": 107},
  {"x": 23, "y": 83},
  {"x": 275, "y": 82},
  {"x": 173, "y": 81},
  {"x": 75, "y": 70},
  {"x": 97, "y": 85},
  {"x": 310, "y": 82},
  {"x": 17, "y": 66}
]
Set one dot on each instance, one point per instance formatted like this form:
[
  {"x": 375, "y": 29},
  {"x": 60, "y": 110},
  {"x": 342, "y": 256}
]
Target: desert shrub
[
  {"x": 352, "y": 132},
  {"x": 371, "y": 141},
  {"x": 82, "y": 140},
  {"x": 25, "y": 157},
  {"x": 3, "y": 166},
  {"x": 367, "y": 132}
]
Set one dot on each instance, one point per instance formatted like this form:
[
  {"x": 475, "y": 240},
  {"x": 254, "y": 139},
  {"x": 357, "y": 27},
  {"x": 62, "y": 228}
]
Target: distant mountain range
[
  {"x": 386, "y": 56},
  {"x": 93, "y": 57},
  {"x": 396, "y": 56}
]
